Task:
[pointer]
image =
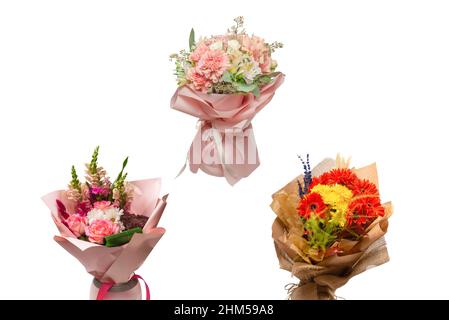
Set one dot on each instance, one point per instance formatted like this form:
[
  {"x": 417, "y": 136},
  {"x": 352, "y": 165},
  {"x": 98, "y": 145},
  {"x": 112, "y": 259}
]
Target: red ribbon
[{"x": 105, "y": 287}]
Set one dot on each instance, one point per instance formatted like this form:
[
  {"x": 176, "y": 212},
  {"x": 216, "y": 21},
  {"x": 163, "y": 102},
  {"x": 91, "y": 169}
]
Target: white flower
[
  {"x": 95, "y": 214},
  {"x": 248, "y": 68},
  {"x": 233, "y": 45},
  {"x": 216, "y": 45},
  {"x": 112, "y": 214}
]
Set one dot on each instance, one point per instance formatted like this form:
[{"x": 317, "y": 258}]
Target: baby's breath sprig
[{"x": 238, "y": 27}]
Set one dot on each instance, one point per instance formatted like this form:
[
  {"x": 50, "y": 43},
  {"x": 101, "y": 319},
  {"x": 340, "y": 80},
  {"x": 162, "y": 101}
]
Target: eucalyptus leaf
[
  {"x": 243, "y": 87},
  {"x": 226, "y": 77},
  {"x": 256, "y": 92}
]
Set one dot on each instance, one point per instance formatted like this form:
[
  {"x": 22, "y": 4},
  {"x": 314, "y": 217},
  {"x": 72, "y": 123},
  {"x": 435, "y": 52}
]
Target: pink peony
[
  {"x": 102, "y": 205},
  {"x": 212, "y": 64},
  {"x": 199, "y": 81},
  {"x": 99, "y": 229},
  {"x": 76, "y": 224},
  {"x": 196, "y": 55}
]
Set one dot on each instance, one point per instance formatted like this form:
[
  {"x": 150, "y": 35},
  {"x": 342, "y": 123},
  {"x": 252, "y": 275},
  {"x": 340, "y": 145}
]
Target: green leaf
[
  {"x": 121, "y": 238},
  {"x": 120, "y": 175},
  {"x": 192, "y": 39},
  {"x": 244, "y": 87},
  {"x": 226, "y": 77},
  {"x": 256, "y": 92}
]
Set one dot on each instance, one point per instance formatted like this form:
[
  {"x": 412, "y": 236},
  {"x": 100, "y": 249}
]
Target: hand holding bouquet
[
  {"x": 330, "y": 226},
  {"x": 110, "y": 227},
  {"x": 224, "y": 81}
]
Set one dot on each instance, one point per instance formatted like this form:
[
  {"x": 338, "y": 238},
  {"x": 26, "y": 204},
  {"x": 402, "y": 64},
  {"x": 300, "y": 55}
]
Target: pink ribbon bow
[{"x": 105, "y": 287}]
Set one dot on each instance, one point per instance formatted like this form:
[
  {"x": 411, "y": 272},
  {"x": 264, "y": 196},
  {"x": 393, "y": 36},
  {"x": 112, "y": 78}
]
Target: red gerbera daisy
[
  {"x": 336, "y": 176},
  {"x": 364, "y": 210},
  {"x": 312, "y": 203},
  {"x": 364, "y": 187}
]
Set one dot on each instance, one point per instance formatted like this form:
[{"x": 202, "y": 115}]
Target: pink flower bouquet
[
  {"x": 110, "y": 227},
  {"x": 224, "y": 81}
]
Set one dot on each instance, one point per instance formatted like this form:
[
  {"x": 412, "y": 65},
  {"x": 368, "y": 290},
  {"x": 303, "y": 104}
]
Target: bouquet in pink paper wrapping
[
  {"x": 224, "y": 81},
  {"x": 110, "y": 227}
]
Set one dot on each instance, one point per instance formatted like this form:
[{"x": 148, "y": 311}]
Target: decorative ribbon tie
[
  {"x": 215, "y": 135},
  {"x": 106, "y": 286}
]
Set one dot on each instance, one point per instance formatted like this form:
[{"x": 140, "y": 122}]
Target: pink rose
[
  {"x": 99, "y": 229},
  {"x": 102, "y": 205},
  {"x": 77, "y": 224}
]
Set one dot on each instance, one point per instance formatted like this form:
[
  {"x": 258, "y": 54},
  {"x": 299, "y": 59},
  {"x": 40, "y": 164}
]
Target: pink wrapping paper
[
  {"x": 225, "y": 136},
  {"x": 116, "y": 264}
]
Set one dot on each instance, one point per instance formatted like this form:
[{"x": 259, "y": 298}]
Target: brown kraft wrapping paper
[{"x": 320, "y": 278}]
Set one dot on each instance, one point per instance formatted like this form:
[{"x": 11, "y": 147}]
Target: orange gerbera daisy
[
  {"x": 336, "y": 176},
  {"x": 365, "y": 210},
  {"x": 311, "y": 203}
]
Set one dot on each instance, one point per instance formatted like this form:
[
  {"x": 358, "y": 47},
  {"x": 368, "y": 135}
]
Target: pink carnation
[
  {"x": 212, "y": 64},
  {"x": 196, "y": 55},
  {"x": 76, "y": 224},
  {"x": 99, "y": 229},
  {"x": 199, "y": 81}
]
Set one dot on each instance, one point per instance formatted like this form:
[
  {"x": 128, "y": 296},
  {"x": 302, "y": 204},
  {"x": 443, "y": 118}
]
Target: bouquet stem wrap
[
  {"x": 224, "y": 145},
  {"x": 319, "y": 281}
]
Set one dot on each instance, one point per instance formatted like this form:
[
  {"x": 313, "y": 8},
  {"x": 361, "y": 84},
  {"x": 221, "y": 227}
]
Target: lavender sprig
[{"x": 303, "y": 190}]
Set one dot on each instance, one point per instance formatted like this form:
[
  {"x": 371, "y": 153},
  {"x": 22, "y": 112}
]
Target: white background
[{"x": 365, "y": 78}]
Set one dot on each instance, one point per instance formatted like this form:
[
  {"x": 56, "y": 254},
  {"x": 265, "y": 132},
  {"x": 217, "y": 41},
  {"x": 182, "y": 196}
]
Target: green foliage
[
  {"x": 321, "y": 233},
  {"x": 227, "y": 77},
  {"x": 192, "y": 40},
  {"x": 235, "y": 83},
  {"x": 244, "y": 87},
  {"x": 119, "y": 181},
  {"x": 256, "y": 92}
]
